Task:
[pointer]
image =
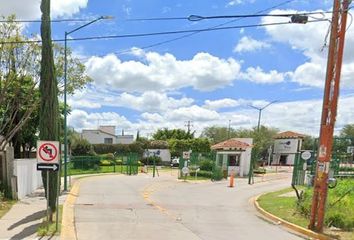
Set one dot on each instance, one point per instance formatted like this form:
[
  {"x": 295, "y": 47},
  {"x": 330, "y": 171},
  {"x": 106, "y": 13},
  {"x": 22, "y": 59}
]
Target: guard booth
[
  {"x": 286, "y": 147},
  {"x": 234, "y": 156}
]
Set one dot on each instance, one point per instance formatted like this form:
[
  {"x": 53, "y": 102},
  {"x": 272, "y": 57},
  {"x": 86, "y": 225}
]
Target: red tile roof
[
  {"x": 231, "y": 143},
  {"x": 289, "y": 134}
]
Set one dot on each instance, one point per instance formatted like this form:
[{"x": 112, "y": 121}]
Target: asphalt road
[{"x": 140, "y": 207}]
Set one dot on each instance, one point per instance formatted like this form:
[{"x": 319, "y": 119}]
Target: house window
[{"x": 108, "y": 140}]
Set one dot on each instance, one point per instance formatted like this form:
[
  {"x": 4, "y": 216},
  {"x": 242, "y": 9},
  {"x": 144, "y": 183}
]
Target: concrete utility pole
[{"x": 329, "y": 112}]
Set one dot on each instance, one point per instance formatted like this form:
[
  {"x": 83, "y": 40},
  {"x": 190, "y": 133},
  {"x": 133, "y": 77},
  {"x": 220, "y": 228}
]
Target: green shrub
[
  {"x": 206, "y": 165},
  {"x": 81, "y": 147},
  {"x": 217, "y": 174},
  {"x": 150, "y": 160},
  {"x": 118, "y": 149},
  {"x": 206, "y": 174},
  {"x": 119, "y": 161},
  {"x": 340, "y": 204},
  {"x": 86, "y": 162},
  {"x": 110, "y": 156}
]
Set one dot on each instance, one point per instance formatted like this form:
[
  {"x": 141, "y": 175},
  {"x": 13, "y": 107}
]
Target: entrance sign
[{"x": 48, "y": 152}]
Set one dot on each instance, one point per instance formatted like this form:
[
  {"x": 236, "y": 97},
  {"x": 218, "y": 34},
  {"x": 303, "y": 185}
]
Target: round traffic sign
[
  {"x": 306, "y": 155},
  {"x": 185, "y": 170},
  {"x": 48, "y": 152}
]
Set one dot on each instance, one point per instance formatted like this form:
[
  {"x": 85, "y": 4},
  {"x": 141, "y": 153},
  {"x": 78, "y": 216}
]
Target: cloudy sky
[{"x": 209, "y": 77}]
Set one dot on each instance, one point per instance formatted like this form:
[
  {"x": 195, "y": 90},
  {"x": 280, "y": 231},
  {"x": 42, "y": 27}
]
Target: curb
[
  {"x": 289, "y": 225},
  {"x": 68, "y": 230}
]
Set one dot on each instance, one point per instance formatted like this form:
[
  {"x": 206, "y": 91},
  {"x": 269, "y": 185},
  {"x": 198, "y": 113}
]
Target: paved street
[{"x": 139, "y": 207}]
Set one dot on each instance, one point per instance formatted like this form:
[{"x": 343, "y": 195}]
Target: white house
[
  {"x": 106, "y": 135},
  {"x": 286, "y": 145},
  {"x": 234, "y": 155}
]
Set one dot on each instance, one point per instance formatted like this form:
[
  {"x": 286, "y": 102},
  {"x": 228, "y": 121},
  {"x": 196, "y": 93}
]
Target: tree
[
  {"x": 262, "y": 140},
  {"x": 17, "y": 84},
  {"x": 49, "y": 106},
  {"x": 166, "y": 134},
  {"x": 347, "y": 131},
  {"x": 308, "y": 143},
  {"x": 19, "y": 78},
  {"x": 218, "y": 134}
]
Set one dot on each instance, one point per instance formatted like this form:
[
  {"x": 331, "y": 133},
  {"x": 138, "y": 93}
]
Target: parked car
[{"x": 175, "y": 162}]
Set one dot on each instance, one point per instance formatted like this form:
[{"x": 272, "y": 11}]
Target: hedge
[{"x": 118, "y": 149}]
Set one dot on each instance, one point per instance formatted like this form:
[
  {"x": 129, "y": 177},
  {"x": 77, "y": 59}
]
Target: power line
[
  {"x": 39, "y": 21},
  {"x": 160, "y": 33},
  {"x": 195, "y": 18},
  {"x": 215, "y": 26}
]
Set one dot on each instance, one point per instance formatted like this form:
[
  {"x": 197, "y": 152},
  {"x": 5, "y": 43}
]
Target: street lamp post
[
  {"x": 65, "y": 92},
  {"x": 250, "y": 173}
]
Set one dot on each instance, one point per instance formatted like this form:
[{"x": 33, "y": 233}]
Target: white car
[{"x": 175, "y": 162}]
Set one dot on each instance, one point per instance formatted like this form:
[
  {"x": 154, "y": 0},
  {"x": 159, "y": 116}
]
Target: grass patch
[
  {"x": 5, "y": 206},
  {"x": 50, "y": 230},
  {"x": 283, "y": 206}
]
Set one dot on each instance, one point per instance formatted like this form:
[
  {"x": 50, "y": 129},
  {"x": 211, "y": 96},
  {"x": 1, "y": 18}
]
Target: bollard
[{"x": 231, "y": 180}]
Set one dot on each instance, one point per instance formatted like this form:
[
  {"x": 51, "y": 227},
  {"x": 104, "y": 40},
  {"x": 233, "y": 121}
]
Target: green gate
[
  {"x": 299, "y": 170},
  {"x": 342, "y": 161},
  {"x": 125, "y": 164}
]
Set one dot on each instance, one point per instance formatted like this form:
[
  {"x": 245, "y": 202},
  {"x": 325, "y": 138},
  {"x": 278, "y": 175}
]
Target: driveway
[{"x": 141, "y": 207}]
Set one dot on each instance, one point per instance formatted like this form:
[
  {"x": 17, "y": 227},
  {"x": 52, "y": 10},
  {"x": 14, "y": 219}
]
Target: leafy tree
[
  {"x": 347, "y": 131},
  {"x": 261, "y": 140},
  {"x": 218, "y": 134},
  {"x": 166, "y": 134},
  {"x": 49, "y": 107},
  {"x": 19, "y": 78},
  {"x": 308, "y": 143},
  {"x": 200, "y": 145}
]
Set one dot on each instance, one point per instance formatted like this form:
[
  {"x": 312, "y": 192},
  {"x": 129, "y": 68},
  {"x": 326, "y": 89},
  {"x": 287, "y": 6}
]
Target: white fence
[{"x": 28, "y": 178}]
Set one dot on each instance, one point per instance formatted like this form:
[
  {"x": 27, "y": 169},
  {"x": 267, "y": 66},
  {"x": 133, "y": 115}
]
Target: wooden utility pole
[{"x": 329, "y": 112}]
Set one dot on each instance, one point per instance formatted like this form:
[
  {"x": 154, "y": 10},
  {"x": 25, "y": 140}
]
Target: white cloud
[
  {"x": 257, "y": 75},
  {"x": 309, "y": 39},
  {"x": 237, "y": 2},
  {"x": 221, "y": 103},
  {"x": 80, "y": 119},
  {"x": 194, "y": 112},
  {"x": 30, "y": 9},
  {"x": 248, "y": 44},
  {"x": 158, "y": 72},
  {"x": 148, "y": 101}
]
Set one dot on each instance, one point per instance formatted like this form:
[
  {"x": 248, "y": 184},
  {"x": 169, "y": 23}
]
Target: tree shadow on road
[{"x": 29, "y": 218}]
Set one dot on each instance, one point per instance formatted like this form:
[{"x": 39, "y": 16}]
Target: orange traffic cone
[{"x": 231, "y": 180}]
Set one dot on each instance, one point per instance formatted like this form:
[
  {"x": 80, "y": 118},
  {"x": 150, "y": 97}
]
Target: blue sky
[{"x": 208, "y": 78}]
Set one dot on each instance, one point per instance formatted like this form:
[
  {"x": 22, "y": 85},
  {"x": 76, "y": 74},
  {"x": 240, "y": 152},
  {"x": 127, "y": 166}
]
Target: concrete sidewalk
[{"x": 23, "y": 219}]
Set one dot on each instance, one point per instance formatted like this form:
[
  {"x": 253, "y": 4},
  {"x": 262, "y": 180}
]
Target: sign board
[
  {"x": 306, "y": 155},
  {"x": 186, "y": 155},
  {"x": 185, "y": 170},
  {"x": 285, "y": 146},
  {"x": 48, "y": 167},
  {"x": 47, "y": 152}
]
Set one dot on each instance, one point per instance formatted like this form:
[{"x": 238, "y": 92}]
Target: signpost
[{"x": 48, "y": 161}]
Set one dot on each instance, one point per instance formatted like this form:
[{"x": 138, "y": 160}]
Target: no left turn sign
[{"x": 47, "y": 151}]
